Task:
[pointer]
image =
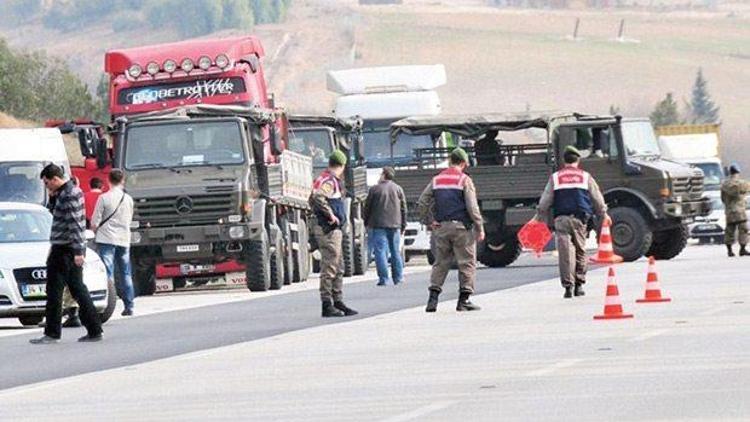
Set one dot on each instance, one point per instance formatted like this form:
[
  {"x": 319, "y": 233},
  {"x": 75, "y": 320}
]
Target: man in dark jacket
[
  {"x": 385, "y": 216},
  {"x": 66, "y": 257}
]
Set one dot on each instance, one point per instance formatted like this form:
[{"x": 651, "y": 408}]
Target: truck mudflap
[{"x": 687, "y": 210}]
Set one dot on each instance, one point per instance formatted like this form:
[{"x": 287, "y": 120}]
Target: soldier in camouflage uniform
[
  {"x": 733, "y": 193},
  {"x": 327, "y": 202}
]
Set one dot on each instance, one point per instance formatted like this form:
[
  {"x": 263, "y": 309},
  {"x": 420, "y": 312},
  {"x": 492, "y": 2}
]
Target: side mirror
[
  {"x": 360, "y": 147},
  {"x": 101, "y": 153},
  {"x": 87, "y": 143},
  {"x": 275, "y": 136}
]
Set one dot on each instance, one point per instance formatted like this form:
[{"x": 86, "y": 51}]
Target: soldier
[
  {"x": 574, "y": 197},
  {"x": 449, "y": 206},
  {"x": 733, "y": 193},
  {"x": 327, "y": 202}
]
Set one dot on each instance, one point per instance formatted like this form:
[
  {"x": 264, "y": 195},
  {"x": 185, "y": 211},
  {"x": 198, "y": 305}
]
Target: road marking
[
  {"x": 422, "y": 411},
  {"x": 713, "y": 311},
  {"x": 648, "y": 335},
  {"x": 566, "y": 363}
]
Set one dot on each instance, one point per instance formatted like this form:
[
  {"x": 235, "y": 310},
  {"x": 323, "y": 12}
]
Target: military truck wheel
[
  {"x": 631, "y": 236},
  {"x": 277, "y": 262},
  {"x": 301, "y": 256},
  {"x": 144, "y": 278},
  {"x": 347, "y": 248},
  {"x": 107, "y": 312},
  {"x": 360, "y": 248},
  {"x": 667, "y": 244},
  {"x": 497, "y": 253},
  {"x": 258, "y": 263}
]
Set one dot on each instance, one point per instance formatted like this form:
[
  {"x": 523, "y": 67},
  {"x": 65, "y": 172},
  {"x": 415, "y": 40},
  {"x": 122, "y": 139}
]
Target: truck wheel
[
  {"x": 301, "y": 256},
  {"x": 348, "y": 251},
  {"x": 497, "y": 254},
  {"x": 30, "y": 320},
  {"x": 107, "y": 312},
  {"x": 360, "y": 248},
  {"x": 258, "y": 265},
  {"x": 667, "y": 244},
  {"x": 277, "y": 262},
  {"x": 631, "y": 236},
  {"x": 144, "y": 278}
]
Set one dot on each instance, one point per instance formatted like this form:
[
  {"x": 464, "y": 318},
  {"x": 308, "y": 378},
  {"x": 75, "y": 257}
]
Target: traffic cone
[
  {"x": 606, "y": 254},
  {"x": 653, "y": 291},
  {"x": 612, "y": 305}
]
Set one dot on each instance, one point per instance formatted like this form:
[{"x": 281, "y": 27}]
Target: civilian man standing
[
  {"x": 111, "y": 222},
  {"x": 66, "y": 257},
  {"x": 574, "y": 197},
  {"x": 385, "y": 216}
]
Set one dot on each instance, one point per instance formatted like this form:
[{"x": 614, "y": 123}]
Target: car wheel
[{"x": 30, "y": 320}]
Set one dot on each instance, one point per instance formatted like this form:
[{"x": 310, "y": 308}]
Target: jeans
[
  {"x": 119, "y": 256},
  {"x": 385, "y": 242}
]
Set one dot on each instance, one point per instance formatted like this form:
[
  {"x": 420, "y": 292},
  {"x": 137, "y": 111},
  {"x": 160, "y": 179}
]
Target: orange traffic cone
[
  {"x": 653, "y": 291},
  {"x": 612, "y": 305},
  {"x": 606, "y": 254}
]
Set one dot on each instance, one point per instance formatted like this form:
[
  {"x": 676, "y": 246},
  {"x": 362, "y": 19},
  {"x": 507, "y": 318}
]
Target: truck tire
[
  {"x": 107, "y": 312},
  {"x": 301, "y": 256},
  {"x": 360, "y": 248},
  {"x": 347, "y": 249},
  {"x": 258, "y": 265},
  {"x": 30, "y": 320},
  {"x": 144, "y": 278},
  {"x": 667, "y": 244},
  {"x": 631, "y": 236},
  {"x": 498, "y": 254},
  {"x": 277, "y": 261}
]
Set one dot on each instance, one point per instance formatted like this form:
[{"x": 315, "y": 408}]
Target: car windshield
[
  {"x": 24, "y": 226},
  {"x": 19, "y": 182},
  {"x": 713, "y": 175},
  {"x": 639, "y": 139},
  {"x": 314, "y": 143},
  {"x": 378, "y": 147},
  {"x": 183, "y": 144}
]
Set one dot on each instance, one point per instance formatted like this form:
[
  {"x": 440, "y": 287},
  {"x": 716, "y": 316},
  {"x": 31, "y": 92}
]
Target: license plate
[
  {"x": 188, "y": 248},
  {"x": 34, "y": 290},
  {"x": 188, "y": 269},
  {"x": 164, "y": 285},
  {"x": 235, "y": 279},
  {"x": 707, "y": 227}
]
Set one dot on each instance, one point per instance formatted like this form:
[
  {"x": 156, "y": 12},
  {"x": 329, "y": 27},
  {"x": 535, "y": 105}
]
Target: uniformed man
[
  {"x": 449, "y": 206},
  {"x": 574, "y": 197},
  {"x": 327, "y": 202},
  {"x": 733, "y": 193}
]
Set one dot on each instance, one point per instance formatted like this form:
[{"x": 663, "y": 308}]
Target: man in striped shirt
[{"x": 66, "y": 257}]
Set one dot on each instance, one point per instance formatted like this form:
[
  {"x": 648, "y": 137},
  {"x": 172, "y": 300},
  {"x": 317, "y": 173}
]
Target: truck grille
[
  {"x": 688, "y": 187},
  {"x": 184, "y": 210}
]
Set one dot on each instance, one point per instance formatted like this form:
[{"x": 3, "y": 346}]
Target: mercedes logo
[
  {"x": 39, "y": 274},
  {"x": 184, "y": 205}
]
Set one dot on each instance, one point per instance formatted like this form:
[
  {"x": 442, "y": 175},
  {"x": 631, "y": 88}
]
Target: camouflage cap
[
  {"x": 460, "y": 155},
  {"x": 337, "y": 157},
  {"x": 570, "y": 149}
]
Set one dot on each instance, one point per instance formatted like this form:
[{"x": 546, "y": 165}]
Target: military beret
[
  {"x": 460, "y": 155},
  {"x": 735, "y": 169},
  {"x": 570, "y": 149},
  {"x": 337, "y": 157}
]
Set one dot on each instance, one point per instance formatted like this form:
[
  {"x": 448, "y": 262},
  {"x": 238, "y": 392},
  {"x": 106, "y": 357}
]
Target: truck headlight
[
  {"x": 236, "y": 232},
  {"x": 135, "y": 238}
]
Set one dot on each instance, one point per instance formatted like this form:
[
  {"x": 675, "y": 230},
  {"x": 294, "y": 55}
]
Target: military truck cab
[{"x": 650, "y": 199}]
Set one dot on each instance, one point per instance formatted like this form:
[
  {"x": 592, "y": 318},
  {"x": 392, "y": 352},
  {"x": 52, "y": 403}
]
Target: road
[{"x": 528, "y": 355}]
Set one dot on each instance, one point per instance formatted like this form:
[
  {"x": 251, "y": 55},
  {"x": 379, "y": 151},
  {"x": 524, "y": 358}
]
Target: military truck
[
  {"x": 317, "y": 137},
  {"x": 214, "y": 185},
  {"x": 650, "y": 199}
]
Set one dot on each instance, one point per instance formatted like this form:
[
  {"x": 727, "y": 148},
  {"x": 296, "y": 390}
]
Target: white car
[
  {"x": 24, "y": 244},
  {"x": 711, "y": 227}
]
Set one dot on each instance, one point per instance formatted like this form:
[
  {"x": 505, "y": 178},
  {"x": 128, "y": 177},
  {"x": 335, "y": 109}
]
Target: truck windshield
[
  {"x": 183, "y": 144},
  {"x": 639, "y": 139},
  {"x": 315, "y": 144},
  {"x": 378, "y": 148},
  {"x": 712, "y": 174},
  {"x": 19, "y": 182},
  {"x": 24, "y": 226}
]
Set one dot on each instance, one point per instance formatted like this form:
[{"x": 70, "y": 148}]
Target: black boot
[
  {"x": 330, "y": 311},
  {"x": 343, "y": 308},
  {"x": 730, "y": 253},
  {"x": 568, "y": 292},
  {"x": 743, "y": 251},
  {"x": 464, "y": 304},
  {"x": 432, "y": 302},
  {"x": 73, "y": 320},
  {"x": 579, "y": 290}
]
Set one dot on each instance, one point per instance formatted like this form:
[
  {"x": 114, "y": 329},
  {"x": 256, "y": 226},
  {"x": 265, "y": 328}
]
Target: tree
[
  {"x": 702, "y": 108},
  {"x": 665, "y": 112},
  {"x": 263, "y": 11},
  {"x": 237, "y": 14}
]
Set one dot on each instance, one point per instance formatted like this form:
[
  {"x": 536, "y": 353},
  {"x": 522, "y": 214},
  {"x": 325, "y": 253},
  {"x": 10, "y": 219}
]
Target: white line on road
[
  {"x": 648, "y": 335},
  {"x": 422, "y": 411},
  {"x": 566, "y": 363}
]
